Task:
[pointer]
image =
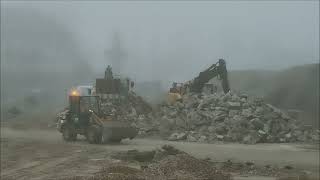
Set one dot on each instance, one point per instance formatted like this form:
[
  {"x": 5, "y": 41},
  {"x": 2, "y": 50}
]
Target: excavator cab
[
  {"x": 175, "y": 93},
  {"x": 176, "y": 88}
]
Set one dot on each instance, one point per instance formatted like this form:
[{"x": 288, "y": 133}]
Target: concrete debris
[
  {"x": 234, "y": 105},
  {"x": 135, "y": 155},
  {"x": 132, "y": 109},
  {"x": 176, "y": 164},
  {"x": 220, "y": 137},
  {"x": 228, "y": 117},
  {"x": 166, "y": 162},
  {"x": 184, "y": 166},
  {"x": 251, "y": 138},
  {"x": 210, "y": 118},
  {"x": 191, "y": 138},
  {"x": 177, "y": 136}
]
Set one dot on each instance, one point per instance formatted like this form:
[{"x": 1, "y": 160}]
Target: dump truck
[{"x": 84, "y": 117}]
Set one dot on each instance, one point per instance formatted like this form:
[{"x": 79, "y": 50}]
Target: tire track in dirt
[
  {"x": 43, "y": 155},
  {"x": 34, "y": 169}
]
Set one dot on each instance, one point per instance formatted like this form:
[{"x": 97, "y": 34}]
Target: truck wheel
[
  {"x": 69, "y": 133},
  {"x": 93, "y": 135}
]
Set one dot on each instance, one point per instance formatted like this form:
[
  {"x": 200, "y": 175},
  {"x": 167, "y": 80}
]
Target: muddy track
[{"x": 43, "y": 154}]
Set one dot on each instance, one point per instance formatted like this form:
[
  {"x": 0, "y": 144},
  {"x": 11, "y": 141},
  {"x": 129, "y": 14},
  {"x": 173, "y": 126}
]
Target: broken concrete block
[
  {"x": 202, "y": 139},
  {"x": 285, "y": 116},
  {"x": 177, "y": 136},
  {"x": 257, "y": 123},
  {"x": 191, "y": 138},
  {"x": 235, "y": 118},
  {"x": 259, "y": 111},
  {"x": 173, "y": 137},
  {"x": 180, "y": 123},
  {"x": 220, "y": 137},
  {"x": 232, "y": 113},
  {"x": 262, "y": 132},
  {"x": 221, "y": 128},
  {"x": 288, "y": 136},
  {"x": 251, "y": 138},
  {"x": 220, "y": 118},
  {"x": 247, "y": 113},
  {"x": 234, "y": 105},
  {"x": 211, "y": 129}
]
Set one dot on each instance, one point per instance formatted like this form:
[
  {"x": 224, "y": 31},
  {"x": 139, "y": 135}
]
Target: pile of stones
[
  {"x": 229, "y": 117},
  {"x": 131, "y": 109},
  {"x": 210, "y": 118}
]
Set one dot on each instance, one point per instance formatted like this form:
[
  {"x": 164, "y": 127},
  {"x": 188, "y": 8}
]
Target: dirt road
[{"x": 43, "y": 155}]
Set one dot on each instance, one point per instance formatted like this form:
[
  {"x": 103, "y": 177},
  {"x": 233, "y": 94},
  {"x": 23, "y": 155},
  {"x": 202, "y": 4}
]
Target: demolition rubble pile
[
  {"x": 210, "y": 118},
  {"x": 166, "y": 162},
  {"x": 229, "y": 117},
  {"x": 132, "y": 109},
  {"x": 130, "y": 105}
]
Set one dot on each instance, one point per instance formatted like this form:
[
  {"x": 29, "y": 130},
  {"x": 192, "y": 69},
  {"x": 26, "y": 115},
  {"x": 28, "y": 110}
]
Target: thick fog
[{"x": 68, "y": 42}]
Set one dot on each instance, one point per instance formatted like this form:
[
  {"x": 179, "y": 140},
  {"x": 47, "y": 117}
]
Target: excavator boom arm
[{"x": 217, "y": 69}]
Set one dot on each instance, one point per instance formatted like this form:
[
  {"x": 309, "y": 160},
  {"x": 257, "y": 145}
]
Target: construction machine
[
  {"x": 84, "y": 117},
  {"x": 175, "y": 92},
  {"x": 200, "y": 82},
  {"x": 112, "y": 84},
  {"x": 218, "y": 69}
]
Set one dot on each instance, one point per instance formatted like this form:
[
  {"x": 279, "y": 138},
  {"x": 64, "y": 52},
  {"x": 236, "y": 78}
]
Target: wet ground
[{"x": 42, "y": 154}]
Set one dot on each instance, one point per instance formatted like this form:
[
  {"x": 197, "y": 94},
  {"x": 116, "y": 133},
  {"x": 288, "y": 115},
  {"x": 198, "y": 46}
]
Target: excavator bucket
[{"x": 114, "y": 131}]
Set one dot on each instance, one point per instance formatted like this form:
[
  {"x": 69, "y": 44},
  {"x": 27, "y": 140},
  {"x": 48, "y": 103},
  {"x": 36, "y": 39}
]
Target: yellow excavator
[
  {"x": 218, "y": 69},
  {"x": 175, "y": 93}
]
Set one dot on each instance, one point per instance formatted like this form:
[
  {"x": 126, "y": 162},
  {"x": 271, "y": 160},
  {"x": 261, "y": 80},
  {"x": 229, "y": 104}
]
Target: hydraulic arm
[{"x": 218, "y": 69}]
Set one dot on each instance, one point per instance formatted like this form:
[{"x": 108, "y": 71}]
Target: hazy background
[{"x": 46, "y": 47}]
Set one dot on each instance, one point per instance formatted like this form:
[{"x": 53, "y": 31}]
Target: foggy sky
[{"x": 176, "y": 40}]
